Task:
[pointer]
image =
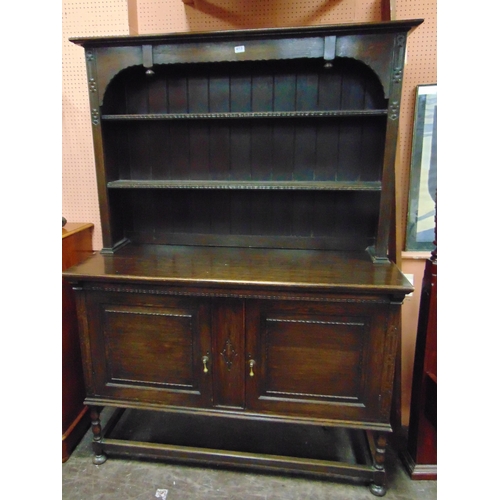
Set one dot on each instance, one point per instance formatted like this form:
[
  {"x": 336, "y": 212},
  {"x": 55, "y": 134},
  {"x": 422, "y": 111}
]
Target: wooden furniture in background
[
  {"x": 76, "y": 247},
  {"x": 420, "y": 455},
  {"x": 246, "y": 188}
]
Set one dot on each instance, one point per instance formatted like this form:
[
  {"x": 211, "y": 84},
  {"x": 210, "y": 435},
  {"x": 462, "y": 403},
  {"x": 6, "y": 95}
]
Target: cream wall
[
  {"x": 79, "y": 187},
  {"x": 160, "y": 16},
  {"x": 120, "y": 17}
]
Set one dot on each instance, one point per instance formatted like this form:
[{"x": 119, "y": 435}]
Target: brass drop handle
[
  {"x": 252, "y": 364},
  {"x": 205, "y": 361}
]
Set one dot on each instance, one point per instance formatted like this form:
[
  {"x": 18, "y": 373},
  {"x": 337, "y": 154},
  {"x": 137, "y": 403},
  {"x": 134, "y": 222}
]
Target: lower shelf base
[{"x": 257, "y": 445}]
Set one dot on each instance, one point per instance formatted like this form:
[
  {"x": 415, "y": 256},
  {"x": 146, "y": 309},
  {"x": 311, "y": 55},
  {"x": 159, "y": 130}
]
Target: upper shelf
[
  {"x": 239, "y": 115},
  {"x": 211, "y": 184}
]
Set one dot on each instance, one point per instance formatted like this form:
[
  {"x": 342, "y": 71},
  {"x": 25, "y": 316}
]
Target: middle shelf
[{"x": 290, "y": 154}]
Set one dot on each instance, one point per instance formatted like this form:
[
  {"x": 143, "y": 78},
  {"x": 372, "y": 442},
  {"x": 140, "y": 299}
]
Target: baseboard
[
  {"x": 418, "y": 472},
  {"x": 75, "y": 433}
]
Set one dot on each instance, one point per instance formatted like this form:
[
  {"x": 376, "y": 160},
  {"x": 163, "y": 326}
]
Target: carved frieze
[
  {"x": 229, "y": 353},
  {"x": 95, "y": 116}
]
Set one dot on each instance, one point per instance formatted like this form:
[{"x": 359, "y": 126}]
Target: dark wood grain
[
  {"x": 229, "y": 353},
  {"x": 246, "y": 191},
  {"x": 347, "y": 28},
  {"x": 151, "y": 349},
  {"x": 319, "y": 360},
  {"x": 331, "y": 271}
]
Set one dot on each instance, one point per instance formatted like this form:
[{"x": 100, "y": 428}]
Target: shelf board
[
  {"x": 272, "y": 185},
  {"x": 238, "y": 115}
]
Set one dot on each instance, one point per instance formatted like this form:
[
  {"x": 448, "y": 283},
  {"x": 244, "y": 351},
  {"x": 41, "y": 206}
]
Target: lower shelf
[{"x": 257, "y": 445}]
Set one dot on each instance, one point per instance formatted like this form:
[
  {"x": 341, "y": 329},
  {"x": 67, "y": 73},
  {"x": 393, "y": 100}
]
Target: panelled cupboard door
[
  {"x": 316, "y": 360},
  {"x": 150, "y": 348}
]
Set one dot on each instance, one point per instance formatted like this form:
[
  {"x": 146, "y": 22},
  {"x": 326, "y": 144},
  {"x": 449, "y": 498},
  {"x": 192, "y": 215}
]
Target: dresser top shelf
[
  {"x": 249, "y": 267},
  {"x": 339, "y": 29}
]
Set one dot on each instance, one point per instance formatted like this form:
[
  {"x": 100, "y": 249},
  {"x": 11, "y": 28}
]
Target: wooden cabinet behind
[
  {"x": 76, "y": 247},
  {"x": 420, "y": 455},
  {"x": 246, "y": 189}
]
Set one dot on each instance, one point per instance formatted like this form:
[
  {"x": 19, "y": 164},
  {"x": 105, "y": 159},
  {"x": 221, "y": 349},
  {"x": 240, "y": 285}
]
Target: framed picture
[{"x": 420, "y": 233}]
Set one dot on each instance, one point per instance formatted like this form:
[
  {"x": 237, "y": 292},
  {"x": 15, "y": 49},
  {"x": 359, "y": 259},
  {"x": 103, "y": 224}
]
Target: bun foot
[
  {"x": 99, "y": 459},
  {"x": 377, "y": 490}
]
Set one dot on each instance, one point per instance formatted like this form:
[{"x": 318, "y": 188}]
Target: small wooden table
[{"x": 76, "y": 247}]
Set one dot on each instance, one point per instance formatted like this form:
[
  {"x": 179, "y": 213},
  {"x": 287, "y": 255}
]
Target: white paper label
[
  {"x": 239, "y": 49},
  {"x": 410, "y": 278}
]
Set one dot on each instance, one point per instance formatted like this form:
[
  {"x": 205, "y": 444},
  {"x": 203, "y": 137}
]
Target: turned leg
[
  {"x": 379, "y": 487},
  {"x": 99, "y": 456}
]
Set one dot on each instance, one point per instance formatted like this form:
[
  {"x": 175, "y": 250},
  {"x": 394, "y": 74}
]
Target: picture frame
[{"x": 420, "y": 233}]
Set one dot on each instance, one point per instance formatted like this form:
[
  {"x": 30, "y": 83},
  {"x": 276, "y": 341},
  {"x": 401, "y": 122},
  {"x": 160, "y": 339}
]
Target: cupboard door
[
  {"x": 151, "y": 348},
  {"x": 316, "y": 360}
]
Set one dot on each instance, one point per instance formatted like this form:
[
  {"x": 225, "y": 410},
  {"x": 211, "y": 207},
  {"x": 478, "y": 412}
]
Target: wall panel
[
  {"x": 79, "y": 188},
  {"x": 157, "y": 16}
]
